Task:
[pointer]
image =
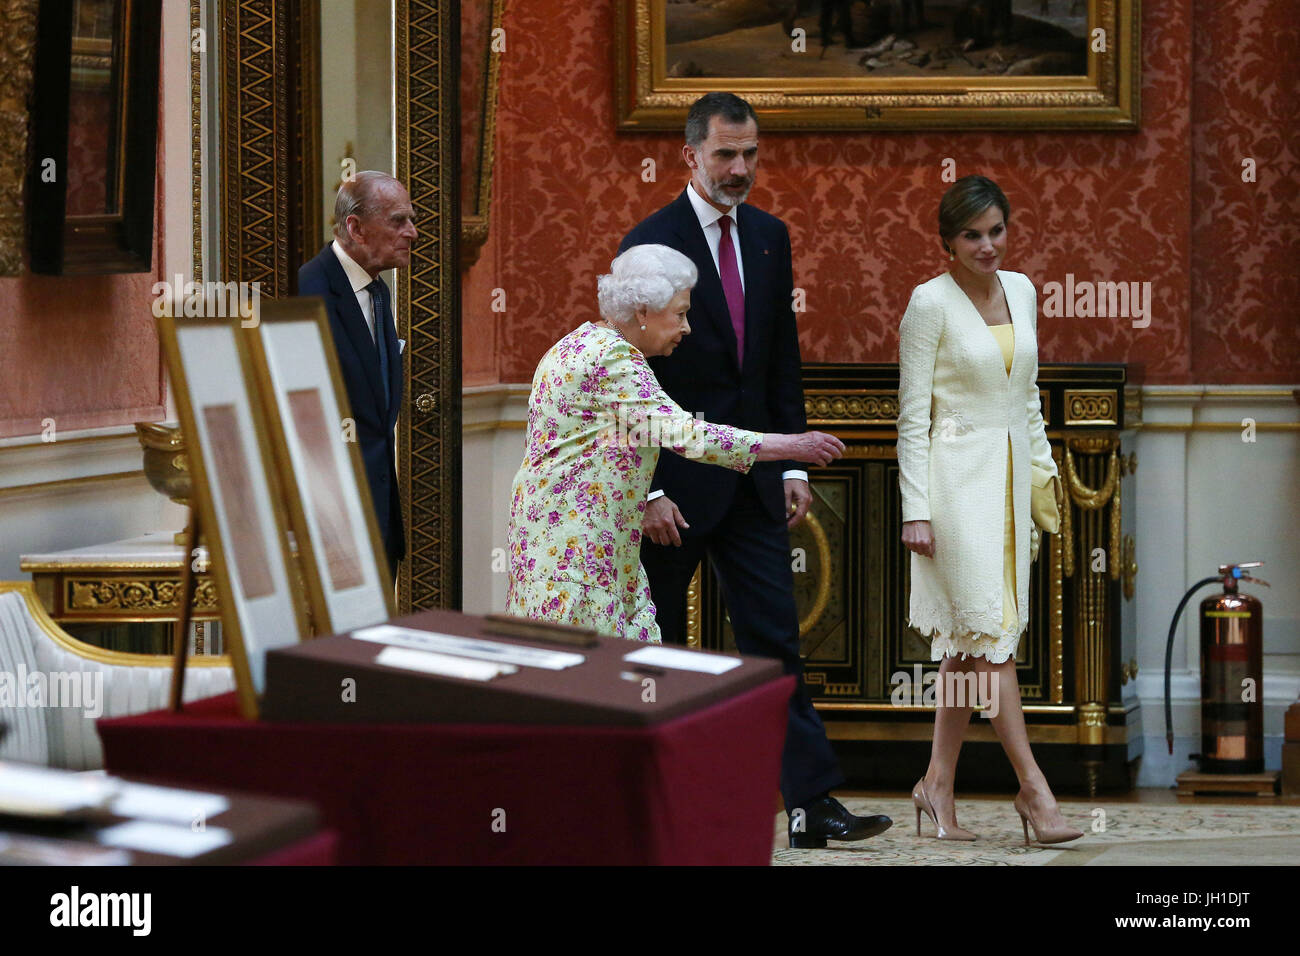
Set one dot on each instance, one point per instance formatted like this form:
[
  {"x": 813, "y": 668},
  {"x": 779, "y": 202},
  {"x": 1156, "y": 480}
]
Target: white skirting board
[
  {"x": 493, "y": 448},
  {"x": 83, "y": 488}
]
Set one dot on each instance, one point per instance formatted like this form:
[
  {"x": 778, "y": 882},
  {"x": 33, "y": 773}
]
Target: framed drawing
[
  {"x": 883, "y": 64},
  {"x": 291, "y": 361},
  {"x": 237, "y": 492}
]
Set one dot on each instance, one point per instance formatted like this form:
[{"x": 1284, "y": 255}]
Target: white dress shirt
[
  {"x": 359, "y": 279},
  {"x": 709, "y": 216}
]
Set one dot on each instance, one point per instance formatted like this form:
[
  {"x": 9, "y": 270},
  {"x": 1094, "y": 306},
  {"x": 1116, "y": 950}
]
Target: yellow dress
[{"x": 1006, "y": 336}]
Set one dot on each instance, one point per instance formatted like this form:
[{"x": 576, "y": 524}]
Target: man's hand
[
  {"x": 661, "y": 521},
  {"x": 798, "y": 497}
]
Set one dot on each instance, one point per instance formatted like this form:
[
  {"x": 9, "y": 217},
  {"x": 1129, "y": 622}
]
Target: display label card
[
  {"x": 443, "y": 665},
  {"x": 164, "y": 838},
  {"x": 167, "y": 805},
  {"x": 681, "y": 660},
  {"x": 469, "y": 647}
]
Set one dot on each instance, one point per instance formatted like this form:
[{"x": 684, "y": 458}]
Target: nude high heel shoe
[
  {"x": 1046, "y": 835},
  {"x": 922, "y": 802}
]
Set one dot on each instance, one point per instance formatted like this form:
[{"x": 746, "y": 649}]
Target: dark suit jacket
[
  {"x": 359, "y": 361},
  {"x": 765, "y": 393}
]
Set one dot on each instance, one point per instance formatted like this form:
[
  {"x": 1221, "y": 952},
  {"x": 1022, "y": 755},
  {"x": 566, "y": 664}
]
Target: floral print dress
[{"x": 597, "y": 418}]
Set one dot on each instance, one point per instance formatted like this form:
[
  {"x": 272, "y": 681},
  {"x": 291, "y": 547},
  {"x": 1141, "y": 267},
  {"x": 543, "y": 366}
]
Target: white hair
[
  {"x": 359, "y": 196},
  {"x": 649, "y": 276}
]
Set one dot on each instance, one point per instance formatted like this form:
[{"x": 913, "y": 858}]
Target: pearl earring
[
  {"x": 643, "y": 328},
  {"x": 951, "y": 257}
]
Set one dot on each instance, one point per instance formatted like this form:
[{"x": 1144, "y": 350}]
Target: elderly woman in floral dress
[{"x": 597, "y": 419}]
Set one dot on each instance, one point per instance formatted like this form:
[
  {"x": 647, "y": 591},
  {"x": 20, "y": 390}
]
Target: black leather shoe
[{"x": 827, "y": 819}]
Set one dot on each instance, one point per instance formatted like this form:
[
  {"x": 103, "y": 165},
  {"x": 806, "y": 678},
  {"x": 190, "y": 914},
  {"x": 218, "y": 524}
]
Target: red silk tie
[{"x": 731, "y": 286}]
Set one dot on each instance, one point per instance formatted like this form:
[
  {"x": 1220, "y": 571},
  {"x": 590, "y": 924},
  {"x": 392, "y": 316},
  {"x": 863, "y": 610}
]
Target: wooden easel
[{"x": 189, "y": 583}]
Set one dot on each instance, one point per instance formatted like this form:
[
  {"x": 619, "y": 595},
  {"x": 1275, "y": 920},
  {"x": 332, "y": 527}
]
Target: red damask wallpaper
[
  {"x": 1164, "y": 205},
  {"x": 81, "y": 350},
  {"x": 1245, "y": 263}
]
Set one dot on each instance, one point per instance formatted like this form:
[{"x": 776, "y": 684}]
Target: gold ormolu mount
[{"x": 167, "y": 466}]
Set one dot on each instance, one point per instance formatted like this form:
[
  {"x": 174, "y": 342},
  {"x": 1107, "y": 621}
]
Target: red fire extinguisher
[{"x": 1232, "y": 674}]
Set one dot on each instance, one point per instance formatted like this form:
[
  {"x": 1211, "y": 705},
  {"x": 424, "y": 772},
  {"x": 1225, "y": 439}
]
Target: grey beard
[{"x": 724, "y": 199}]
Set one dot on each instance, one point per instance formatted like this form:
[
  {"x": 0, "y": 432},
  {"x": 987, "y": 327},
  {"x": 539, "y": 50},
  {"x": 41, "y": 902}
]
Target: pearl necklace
[{"x": 615, "y": 329}]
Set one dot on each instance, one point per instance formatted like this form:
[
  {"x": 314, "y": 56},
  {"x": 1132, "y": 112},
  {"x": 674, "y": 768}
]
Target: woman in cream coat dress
[{"x": 969, "y": 428}]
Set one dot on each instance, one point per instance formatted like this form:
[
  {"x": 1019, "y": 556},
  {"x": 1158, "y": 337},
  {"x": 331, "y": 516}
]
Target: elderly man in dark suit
[
  {"x": 373, "y": 231},
  {"x": 740, "y": 366}
]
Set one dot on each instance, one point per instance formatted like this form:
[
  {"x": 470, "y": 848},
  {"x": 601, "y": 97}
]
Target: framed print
[
  {"x": 238, "y": 495},
  {"x": 314, "y": 444},
  {"x": 883, "y": 64}
]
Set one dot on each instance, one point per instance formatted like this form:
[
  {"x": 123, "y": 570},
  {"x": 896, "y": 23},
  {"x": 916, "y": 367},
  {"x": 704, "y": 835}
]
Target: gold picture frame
[
  {"x": 481, "y": 69},
  {"x": 17, "y": 59},
  {"x": 294, "y": 367},
  {"x": 238, "y": 495},
  {"x": 96, "y": 78},
  {"x": 657, "y": 80}
]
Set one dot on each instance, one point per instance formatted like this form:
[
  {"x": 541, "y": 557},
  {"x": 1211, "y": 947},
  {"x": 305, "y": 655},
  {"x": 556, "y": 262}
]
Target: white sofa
[{"x": 65, "y": 736}]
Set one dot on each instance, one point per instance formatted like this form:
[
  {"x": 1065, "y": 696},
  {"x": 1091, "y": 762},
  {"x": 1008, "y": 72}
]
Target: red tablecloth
[
  {"x": 322, "y": 849},
  {"x": 697, "y": 790}
]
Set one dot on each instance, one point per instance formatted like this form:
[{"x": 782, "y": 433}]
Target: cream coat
[{"x": 957, "y": 405}]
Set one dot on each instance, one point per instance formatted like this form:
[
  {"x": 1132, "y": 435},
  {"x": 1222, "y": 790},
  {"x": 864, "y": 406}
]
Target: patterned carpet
[{"x": 1114, "y": 834}]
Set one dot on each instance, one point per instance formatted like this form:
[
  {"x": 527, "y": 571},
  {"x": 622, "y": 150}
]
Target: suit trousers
[{"x": 750, "y": 556}]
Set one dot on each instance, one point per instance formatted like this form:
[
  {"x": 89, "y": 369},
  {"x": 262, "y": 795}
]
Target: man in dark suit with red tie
[
  {"x": 373, "y": 231},
  {"x": 739, "y": 366}
]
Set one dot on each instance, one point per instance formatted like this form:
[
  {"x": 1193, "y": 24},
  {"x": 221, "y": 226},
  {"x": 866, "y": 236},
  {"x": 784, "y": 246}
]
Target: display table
[
  {"x": 242, "y": 829},
  {"x": 319, "y": 850},
  {"x": 125, "y": 595},
  {"x": 698, "y": 789}
]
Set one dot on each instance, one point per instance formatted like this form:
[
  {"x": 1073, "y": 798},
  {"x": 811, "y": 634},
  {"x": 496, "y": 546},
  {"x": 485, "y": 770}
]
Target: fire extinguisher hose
[{"x": 1169, "y": 654}]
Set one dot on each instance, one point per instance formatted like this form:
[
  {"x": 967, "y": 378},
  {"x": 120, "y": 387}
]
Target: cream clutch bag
[{"x": 1042, "y": 499}]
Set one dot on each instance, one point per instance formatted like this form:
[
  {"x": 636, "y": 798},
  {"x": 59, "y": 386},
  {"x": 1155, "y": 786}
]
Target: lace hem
[
  {"x": 995, "y": 650},
  {"x": 953, "y": 632}
]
